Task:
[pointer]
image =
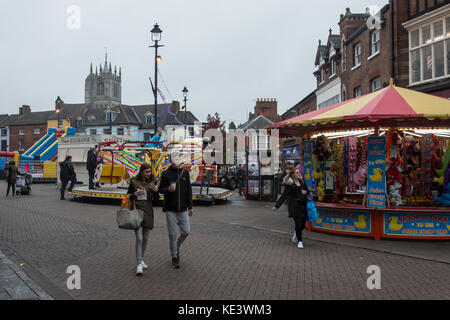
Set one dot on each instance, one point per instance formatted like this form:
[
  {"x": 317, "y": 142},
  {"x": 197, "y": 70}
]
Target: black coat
[
  {"x": 181, "y": 199},
  {"x": 91, "y": 163},
  {"x": 67, "y": 171},
  {"x": 296, "y": 200}
]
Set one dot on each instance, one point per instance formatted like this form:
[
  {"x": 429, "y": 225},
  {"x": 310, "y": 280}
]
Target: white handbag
[{"x": 130, "y": 219}]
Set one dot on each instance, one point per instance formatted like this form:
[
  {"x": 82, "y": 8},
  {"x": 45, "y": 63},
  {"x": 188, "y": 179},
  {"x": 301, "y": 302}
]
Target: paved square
[{"x": 236, "y": 250}]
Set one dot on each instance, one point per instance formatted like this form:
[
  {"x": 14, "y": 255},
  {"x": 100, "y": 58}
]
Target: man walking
[
  {"x": 91, "y": 165},
  {"x": 177, "y": 190},
  {"x": 66, "y": 174},
  {"x": 240, "y": 179}
]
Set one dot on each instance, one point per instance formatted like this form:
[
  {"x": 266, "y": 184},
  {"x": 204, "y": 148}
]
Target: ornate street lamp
[
  {"x": 185, "y": 93},
  {"x": 156, "y": 37},
  {"x": 58, "y": 105}
]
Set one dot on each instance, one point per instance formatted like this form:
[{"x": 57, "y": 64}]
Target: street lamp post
[
  {"x": 58, "y": 105},
  {"x": 185, "y": 93},
  {"x": 156, "y": 37}
]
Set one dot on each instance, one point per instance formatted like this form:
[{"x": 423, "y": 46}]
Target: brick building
[
  {"x": 267, "y": 108},
  {"x": 428, "y": 31}
]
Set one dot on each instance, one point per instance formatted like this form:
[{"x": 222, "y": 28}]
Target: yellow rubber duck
[
  {"x": 393, "y": 224},
  {"x": 318, "y": 221},
  {"x": 307, "y": 175},
  {"x": 361, "y": 223},
  {"x": 439, "y": 180},
  {"x": 377, "y": 175}
]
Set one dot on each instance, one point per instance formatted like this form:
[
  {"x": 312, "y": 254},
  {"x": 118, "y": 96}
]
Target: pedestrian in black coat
[
  {"x": 295, "y": 191},
  {"x": 66, "y": 174},
  {"x": 91, "y": 166}
]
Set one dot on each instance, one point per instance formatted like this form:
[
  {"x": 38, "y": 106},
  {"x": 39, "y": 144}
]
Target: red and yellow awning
[{"x": 391, "y": 106}]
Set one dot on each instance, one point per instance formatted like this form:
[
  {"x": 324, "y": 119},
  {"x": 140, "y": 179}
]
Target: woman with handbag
[
  {"x": 295, "y": 192},
  {"x": 11, "y": 176},
  {"x": 141, "y": 190}
]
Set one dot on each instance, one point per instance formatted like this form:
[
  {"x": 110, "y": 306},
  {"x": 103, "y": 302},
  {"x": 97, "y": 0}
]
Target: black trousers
[
  {"x": 64, "y": 184},
  {"x": 13, "y": 185},
  {"x": 300, "y": 222}
]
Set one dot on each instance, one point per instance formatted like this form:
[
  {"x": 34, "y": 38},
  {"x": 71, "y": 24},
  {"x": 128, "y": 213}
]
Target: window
[
  {"x": 329, "y": 102},
  {"x": 21, "y": 148},
  {"x": 93, "y": 131},
  {"x": 4, "y": 132},
  {"x": 357, "y": 55},
  {"x": 191, "y": 131},
  {"x": 106, "y": 131},
  {"x": 147, "y": 136},
  {"x": 116, "y": 90},
  {"x": 4, "y": 146},
  {"x": 374, "y": 42},
  {"x": 37, "y": 131},
  {"x": 79, "y": 123},
  {"x": 375, "y": 84},
  {"x": 100, "y": 89},
  {"x": 120, "y": 131},
  {"x": 149, "y": 119},
  {"x": 21, "y": 132},
  {"x": 333, "y": 68},
  {"x": 429, "y": 53},
  {"x": 357, "y": 92}
]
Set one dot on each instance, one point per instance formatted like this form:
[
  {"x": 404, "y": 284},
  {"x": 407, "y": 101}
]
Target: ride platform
[{"x": 114, "y": 192}]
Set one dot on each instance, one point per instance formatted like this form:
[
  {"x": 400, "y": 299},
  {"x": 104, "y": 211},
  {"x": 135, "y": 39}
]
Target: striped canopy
[{"x": 390, "y": 107}]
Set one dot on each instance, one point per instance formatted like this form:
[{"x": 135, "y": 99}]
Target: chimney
[
  {"x": 24, "y": 109},
  {"x": 175, "y": 106}
]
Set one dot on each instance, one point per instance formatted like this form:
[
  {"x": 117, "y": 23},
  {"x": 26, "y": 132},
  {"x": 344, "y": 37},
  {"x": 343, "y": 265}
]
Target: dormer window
[
  {"x": 149, "y": 118},
  {"x": 79, "y": 123}
]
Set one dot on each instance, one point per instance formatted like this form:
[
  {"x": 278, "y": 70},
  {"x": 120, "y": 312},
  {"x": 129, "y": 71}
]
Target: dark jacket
[
  {"x": 67, "y": 171},
  {"x": 11, "y": 173},
  {"x": 181, "y": 199},
  {"x": 91, "y": 163},
  {"x": 296, "y": 200}
]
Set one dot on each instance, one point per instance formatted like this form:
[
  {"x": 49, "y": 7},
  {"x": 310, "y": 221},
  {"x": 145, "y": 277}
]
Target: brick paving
[{"x": 236, "y": 250}]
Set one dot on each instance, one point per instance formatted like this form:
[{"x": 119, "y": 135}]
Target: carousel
[{"x": 378, "y": 165}]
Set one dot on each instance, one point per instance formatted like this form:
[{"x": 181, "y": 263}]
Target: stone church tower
[{"x": 103, "y": 88}]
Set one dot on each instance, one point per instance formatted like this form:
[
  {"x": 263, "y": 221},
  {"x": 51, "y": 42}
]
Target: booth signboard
[
  {"x": 307, "y": 159},
  {"x": 343, "y": 220},
  {"x": 376, "y": 172},
  {"x": 291, "y": 152},
  {"x": 413, "y": 224}
]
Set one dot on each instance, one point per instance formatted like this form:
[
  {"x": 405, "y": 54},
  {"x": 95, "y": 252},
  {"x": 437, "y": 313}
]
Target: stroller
[{"x": 23, "y": 184}]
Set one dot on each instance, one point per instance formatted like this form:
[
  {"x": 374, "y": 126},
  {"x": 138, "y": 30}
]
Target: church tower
[{"x": 103, "y": 88}]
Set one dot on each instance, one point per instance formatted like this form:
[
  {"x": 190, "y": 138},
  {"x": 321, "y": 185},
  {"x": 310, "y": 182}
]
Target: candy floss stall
[{"x": 378, "y": 165}]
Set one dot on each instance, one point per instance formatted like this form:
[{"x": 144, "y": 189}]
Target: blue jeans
[{"x": 91, "y": 178}]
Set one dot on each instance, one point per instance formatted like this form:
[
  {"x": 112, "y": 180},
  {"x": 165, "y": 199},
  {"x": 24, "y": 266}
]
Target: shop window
[
  {"x": 120, "y": 131},
  {"x": 147, "y": 136},
  {"x": 93, "y": 131}
]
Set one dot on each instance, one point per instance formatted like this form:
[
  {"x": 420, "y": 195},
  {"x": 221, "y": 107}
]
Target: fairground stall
[{"x": 378, "y": 165}]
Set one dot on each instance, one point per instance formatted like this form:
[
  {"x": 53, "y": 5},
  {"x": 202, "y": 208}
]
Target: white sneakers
[
  {"x": 300, "y": 245},
  {"x": 144, "y": 265},
  {"x": 294, "y": 238},
  {"x": 139, "y": 269}
]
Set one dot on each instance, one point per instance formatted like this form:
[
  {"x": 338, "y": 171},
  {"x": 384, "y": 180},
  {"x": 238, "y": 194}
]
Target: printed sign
[
  {"x": 342, "y": 220},
  {"x": 307, "y": 159},
  {"x": 376, "y": 172},
  {"x": 411, "y": 224},
  {"x": 291, "y": 152}
]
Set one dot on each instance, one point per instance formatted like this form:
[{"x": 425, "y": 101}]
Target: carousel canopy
[{"x": 391, "y": 106}]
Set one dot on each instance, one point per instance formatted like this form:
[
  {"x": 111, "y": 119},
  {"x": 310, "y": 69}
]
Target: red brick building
[
  {"x": 427, "y": 25},
  {"x": 267, "y": 108}
]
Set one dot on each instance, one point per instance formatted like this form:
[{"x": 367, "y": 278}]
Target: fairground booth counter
[{"x": 378, "y": 165}]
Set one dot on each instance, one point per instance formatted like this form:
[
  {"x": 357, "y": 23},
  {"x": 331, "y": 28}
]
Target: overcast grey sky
[{"x": 227, "y": 52}]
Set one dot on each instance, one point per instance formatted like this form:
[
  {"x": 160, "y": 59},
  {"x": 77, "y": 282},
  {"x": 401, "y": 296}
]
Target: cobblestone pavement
[{"x": 236, "y": 250}]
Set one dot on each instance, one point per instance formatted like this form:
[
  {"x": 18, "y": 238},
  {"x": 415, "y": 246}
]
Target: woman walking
[
  {"x": 141, "y": 190},
  {"x": 295, "y": 190},
  {"x": 11, "y": 176}
]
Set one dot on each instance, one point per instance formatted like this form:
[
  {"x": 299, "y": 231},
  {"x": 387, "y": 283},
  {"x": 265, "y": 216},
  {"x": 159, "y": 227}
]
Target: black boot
[{"x": 176, "y": 262}]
